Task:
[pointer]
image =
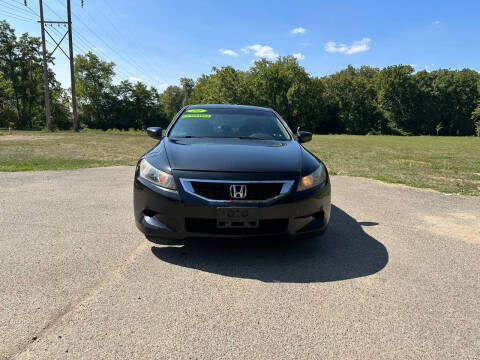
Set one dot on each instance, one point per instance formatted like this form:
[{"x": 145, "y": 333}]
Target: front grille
[
  {"x": 209, "y": 226},
  {"x": 221, "y": 190}
]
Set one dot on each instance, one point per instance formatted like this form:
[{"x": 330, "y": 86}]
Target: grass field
[{"x": 448, "y": 164}]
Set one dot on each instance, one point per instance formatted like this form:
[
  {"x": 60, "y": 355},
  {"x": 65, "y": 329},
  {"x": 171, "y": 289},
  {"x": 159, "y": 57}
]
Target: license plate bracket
[{"x": 237, "y": 217}]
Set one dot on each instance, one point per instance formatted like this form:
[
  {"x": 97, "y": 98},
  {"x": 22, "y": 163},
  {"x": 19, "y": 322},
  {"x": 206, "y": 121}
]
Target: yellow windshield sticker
[
  {"x": 197, "y": 116},
  {"x": 196, "y": 110}
]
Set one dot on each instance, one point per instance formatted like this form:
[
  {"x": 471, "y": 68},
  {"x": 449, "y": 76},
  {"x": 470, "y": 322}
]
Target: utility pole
[
  {"x": 45, "y": 70},
  {"x": 72, "y": 68},
  {"x": 70, "y": 57}
]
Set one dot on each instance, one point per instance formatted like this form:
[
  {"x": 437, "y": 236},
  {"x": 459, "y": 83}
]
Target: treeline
[
  {"x": 21, "y": 84},
  {"x": 392, "y": 100}
]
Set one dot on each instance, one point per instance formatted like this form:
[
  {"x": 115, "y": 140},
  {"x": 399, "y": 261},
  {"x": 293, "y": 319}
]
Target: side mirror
[
  {"x": 304, "y": 136},
  {"x": 155, "y": 132}
]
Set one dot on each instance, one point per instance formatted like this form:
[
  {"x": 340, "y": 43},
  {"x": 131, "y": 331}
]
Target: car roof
[{"x": 228, "y": 106}]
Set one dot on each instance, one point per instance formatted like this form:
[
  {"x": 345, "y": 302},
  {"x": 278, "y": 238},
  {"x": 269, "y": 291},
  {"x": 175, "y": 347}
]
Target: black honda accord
[{"x": 230, "y": 171}]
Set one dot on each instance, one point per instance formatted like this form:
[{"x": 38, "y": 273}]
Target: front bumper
[{"x": 160, "y": 213}]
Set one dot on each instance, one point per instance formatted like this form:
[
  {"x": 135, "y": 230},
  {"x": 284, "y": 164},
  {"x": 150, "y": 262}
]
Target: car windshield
[{"x": 229, "y": 123}]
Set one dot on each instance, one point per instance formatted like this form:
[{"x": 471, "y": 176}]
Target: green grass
[
  {"x": 36, "y": 150},
  {"x": 448, "y": 164}
]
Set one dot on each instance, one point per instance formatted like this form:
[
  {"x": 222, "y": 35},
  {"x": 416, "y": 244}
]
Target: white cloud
[
  {"x": 356, "y": 47},
  {"x": 298, "y": 30},
  {"x": 299, "y": 56},
  {"x": 228, "y": 52},
  {"x": 135, "y": 79},
  {"x": 305, "y": 44},
  {"x": 245, "y": 51},
  {"x": 263, "y": 51}
]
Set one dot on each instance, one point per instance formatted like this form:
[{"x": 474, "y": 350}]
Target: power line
[
  {"x": 88, "y": 46},
  {"x": 85, "y": 48},
  {"x": 49, "y": 42},
  {"x": 24, "y": 5},
  {"x": 53, "y": 11},
  {"x": 113, "y": 49},
  {"x": 46, "y": 57},
  {"x": 12, "y": 7},
  {"x": 128, "y": 32},
  {"x": 19, "y": 2},
  {"x": 123, "y": 35},
  {"x": 31, "y": 10},
  {"x": 128, "y": 60},
  {"x": 84, "y": 45},
  {"x": 6, "y": 14},
  {"x": 113, "y": 9},
  {"x": 17, "y": 16},
  {"x": 97, "y": 51},
  {"x": 21, "y": 13},
  {"x": 124, "y": 58},
  {"x": 79, "y": 36}
]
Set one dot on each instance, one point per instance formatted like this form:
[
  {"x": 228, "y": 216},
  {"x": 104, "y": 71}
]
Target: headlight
[
  {"x": 314, "y": 179},
  {"x": 158, "y": 177}
]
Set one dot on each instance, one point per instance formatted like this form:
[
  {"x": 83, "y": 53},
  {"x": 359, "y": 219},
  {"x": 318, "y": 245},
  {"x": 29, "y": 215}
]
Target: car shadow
[{"x": 345, "y": 251}]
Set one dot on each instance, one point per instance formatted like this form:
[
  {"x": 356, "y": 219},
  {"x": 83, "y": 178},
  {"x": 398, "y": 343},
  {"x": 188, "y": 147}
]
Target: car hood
[{"x": 233, "y": 155}]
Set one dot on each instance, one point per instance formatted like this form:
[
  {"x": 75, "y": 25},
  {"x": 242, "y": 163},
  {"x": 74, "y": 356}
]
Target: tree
[
  {"x": 29, "y": 75},
  {"x": 22, "y": 71},
  {"x": 352, "y": 94},
  {"x": 171, "y": 101},
  {"x": 426, "y": 103},
  {"x": 93, "y": 79},
  {"x": 8, "y": 62},
  {"x": 396, "y": 94},
  {"x": 284, "y": 86},
  {"x": 145, "y": 107},
  {"x": 225, "y": 86},
  {"x": 446, "y": 97},
  {"x": 393, "y": 100},
  {"x": 476, "y": 118},
  {"x": 60, "y": 108},
  {"x": 187, "y": 88},
  {"x": 8, "y": 114},
  {"x": 463, "y": 96}
]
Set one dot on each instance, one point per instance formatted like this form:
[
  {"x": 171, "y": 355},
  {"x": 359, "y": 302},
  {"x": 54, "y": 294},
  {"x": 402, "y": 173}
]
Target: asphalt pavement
[{"x": 396, "y": 276}]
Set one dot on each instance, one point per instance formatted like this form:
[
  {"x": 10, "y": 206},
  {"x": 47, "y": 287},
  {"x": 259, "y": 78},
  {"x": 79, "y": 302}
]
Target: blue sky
[{"x": 161, "y": 41}]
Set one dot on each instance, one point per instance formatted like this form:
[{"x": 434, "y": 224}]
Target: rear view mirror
[
  {"x": 304, "y": 136},
  {"x": 155, "y": 132}
]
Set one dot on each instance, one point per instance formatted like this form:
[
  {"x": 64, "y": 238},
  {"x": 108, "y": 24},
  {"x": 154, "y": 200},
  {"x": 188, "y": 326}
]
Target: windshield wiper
[
  {"x": 189, "y": 137},
  {"x": 251, "y": 137},
  {"x": 221, "y": 137}
]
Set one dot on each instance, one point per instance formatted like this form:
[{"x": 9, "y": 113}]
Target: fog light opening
[{"x": 149, "y": 213}]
